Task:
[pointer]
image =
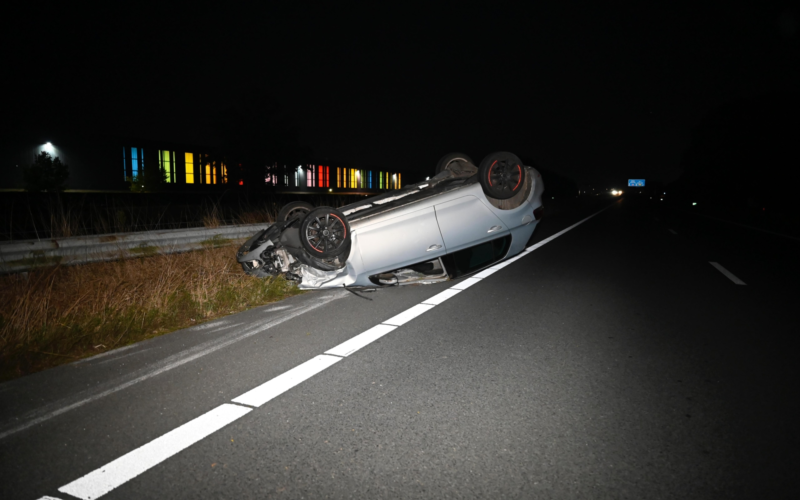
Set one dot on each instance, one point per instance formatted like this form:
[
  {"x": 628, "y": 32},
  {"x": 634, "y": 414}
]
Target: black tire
[
  {"x": 332, "y": 263},
  {"x": 295, "y": 209},
  {"x": 450, "y": 158},
  {"x": 501, "y": 175},
  {"x": 325, "y": 232}
]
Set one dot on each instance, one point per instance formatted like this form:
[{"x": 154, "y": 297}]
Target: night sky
[{"x": 594, "y": 93}]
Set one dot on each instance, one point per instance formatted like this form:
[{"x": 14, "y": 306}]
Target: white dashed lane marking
[{"x": 727, "y": 274}]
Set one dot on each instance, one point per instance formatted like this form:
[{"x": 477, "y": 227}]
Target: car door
[
  {"x": 465, "y": 222},
  {"x": 399, "y": 241}
]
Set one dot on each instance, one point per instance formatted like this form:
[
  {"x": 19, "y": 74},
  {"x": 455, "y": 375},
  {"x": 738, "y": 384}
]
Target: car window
[{"x": 476, "y": 257}]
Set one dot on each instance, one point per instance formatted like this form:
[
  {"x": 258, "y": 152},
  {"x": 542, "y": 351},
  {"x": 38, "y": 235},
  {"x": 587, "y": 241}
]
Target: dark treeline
[
  {"x": 744, "y": 160},
  {"x": 555, "y": 184}
]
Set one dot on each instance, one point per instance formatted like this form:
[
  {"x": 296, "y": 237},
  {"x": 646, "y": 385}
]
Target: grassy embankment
[{"x": 60, "y": 314}]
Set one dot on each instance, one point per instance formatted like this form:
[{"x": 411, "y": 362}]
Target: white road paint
[
  {"x": 276, "y": 308},
  {"x": 125, "y": 468},
  {"x": 134, "y": 353},
  {"x": 462, "y": 285},
  {"x": 728, "y": 274},
  {"x": 503, "y": 264},
  {"x": 105, "y": 354},
  {"x": 350, "y": 346},
  {"x": 560, "y": 233},
  {"x": 49, "y": 498},
  {"x": 486, "y": 273},
  {"x": 226, "y": 327},
  {"x": 441, "y": 297},
  {"x": 206, "y": 326},
  {"x": 409, "y": 314},
  {"x": 110, "y": 476},
  {"x": 673, "y": 232},
  {"x": 62, "y": 406},
  {"x": 285, "y": 381}
]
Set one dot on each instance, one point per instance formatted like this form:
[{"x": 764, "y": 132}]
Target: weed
[{"x": 60, "y": 314}]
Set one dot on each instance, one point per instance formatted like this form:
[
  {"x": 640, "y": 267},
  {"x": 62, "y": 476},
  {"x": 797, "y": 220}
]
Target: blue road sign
[{"x": 639, "y": 183}]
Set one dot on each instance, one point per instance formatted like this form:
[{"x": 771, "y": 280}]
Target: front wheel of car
[
  {"x": 501, "y": 175},
  {"x": 325, "y": 232}
]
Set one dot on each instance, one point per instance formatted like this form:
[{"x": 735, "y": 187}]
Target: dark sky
[{"x": 595, "y": 93}]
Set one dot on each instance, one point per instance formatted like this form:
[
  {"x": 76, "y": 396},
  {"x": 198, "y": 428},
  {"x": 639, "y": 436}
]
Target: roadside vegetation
[{"x": 60, "y": 314}]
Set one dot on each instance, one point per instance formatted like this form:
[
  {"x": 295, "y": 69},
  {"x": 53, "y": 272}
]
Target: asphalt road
[{"x": 613, "y": 361}]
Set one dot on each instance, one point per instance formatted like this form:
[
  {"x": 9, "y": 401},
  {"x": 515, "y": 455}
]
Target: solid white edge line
[
  {"x": 501, "y": 265},
  {"x": 486, "y": 273},
  {"x": 409, "y": 314},
  {"x": 727, "y": 273},
  {"x": 570, "y": 228},
  {"x": 110, "y": 476},
  {"x": 285, "y": 381},
  {"x": 441, "y": 297},
  {"x": 134, "y": 463},
  {"x": 362, "y": 339},
  {"x": 465, "y": 284}
]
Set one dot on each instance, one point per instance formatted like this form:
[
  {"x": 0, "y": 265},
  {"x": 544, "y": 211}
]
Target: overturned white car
[{"x": 461, "y": 220}]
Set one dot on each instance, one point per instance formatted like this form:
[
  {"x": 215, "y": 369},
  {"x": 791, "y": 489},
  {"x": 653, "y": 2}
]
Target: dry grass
[{"x": 60, "y": 314}]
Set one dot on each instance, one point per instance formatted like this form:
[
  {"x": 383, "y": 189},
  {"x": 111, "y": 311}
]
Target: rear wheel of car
[
  {"x": 501, "y": 175},
  {"x": 450, "y": 158},
  {"x": 295, "y": 209},
  {"x": 325, "y": 232}
]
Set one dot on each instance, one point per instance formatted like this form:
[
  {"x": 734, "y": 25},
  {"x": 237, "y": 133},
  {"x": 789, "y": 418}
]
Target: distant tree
[
  {"x": 45, "y": 174},
  {"x": 745, "y": 150}
]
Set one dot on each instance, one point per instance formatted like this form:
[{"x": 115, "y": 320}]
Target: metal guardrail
[{"x": 24, "y": 255}]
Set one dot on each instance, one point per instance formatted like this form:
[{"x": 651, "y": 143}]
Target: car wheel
[
  {"x": 325, "y": 232},
  {"x": 501, "y": 175},
  {"x": 450, "y": 158},
  {"x": 295, "y": 209},
  {"x": 332, "y": 263}
]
